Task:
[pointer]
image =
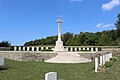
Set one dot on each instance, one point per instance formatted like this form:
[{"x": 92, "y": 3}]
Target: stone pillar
[
  {"x": 75, "y": 48},
  {"x": 19, "y": 48},
  {"x": 96, "y": 64},
  {"x": 66, "y": 48},
  {"x": 32, "y": 48},
  {"x": 41, "y": 48},
  {"x": 71, "y": 49},
  {"x": 83, "y": 48},
  {"x": 37, "y": 48},
  {"x": 101, "y": 60},
  {"x": 51, "y": 76},
  {"x": 79, "y": 48},
  {"x": 88, "y": 49},
  {"x": 15, "y": 48},
  {"x": 28, "y": 48},
  {"x": 91, "y": 48},
  {"x": 96, "y": 49},
  {"x": 46, "y": 47},
  {"x": 23, "y": 49}
]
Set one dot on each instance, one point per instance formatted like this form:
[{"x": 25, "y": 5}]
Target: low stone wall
[
  {"x": 27, "y": 56},
  {"x": 90, "y": 56}
]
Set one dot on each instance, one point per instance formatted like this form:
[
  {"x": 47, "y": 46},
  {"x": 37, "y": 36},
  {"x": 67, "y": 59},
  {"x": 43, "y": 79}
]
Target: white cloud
[
  {"x": 110, "y": 5},
  {"x": 76, "y": 0},
  {"x": 101, "y": 25}
]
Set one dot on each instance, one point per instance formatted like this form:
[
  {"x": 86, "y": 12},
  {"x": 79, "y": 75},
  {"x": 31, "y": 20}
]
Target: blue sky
[{"x": 25, "y": 20}]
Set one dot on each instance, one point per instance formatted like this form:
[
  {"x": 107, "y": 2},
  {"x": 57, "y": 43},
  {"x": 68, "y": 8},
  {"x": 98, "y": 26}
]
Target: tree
[
  {"x": 117, "y": 24},
  {"x": 5, "y": 44}
]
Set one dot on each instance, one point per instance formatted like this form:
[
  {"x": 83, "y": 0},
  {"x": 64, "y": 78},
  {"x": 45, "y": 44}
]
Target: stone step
[{"x": 67, "y": 57}]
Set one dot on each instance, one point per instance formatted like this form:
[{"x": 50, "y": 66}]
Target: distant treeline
[
  {"x": 104, "y": 38},
  {"x": 4, "y": 44}
]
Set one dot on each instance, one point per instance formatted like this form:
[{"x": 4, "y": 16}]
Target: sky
[{"x": 26, "y": 20}]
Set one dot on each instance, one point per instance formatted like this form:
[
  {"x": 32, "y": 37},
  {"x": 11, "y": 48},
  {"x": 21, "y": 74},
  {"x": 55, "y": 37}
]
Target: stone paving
[{"x": 68, "y": 57}]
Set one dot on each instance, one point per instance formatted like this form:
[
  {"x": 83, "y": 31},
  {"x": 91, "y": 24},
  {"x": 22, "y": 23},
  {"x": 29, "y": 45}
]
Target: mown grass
[{"x": 36, "y": 71}]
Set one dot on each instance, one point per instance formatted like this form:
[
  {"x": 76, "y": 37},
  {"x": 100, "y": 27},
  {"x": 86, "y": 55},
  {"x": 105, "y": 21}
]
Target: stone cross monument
[{"x": 59, "y": 44}]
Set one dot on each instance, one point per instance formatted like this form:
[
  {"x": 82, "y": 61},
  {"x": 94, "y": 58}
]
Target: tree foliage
[{"x": 5, "y": 44}]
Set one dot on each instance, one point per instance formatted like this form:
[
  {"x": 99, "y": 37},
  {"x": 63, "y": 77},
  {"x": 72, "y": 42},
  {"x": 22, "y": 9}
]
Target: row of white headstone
[
  {"x": 103, "y": 59},
  {"x": 1, "y": 61}
]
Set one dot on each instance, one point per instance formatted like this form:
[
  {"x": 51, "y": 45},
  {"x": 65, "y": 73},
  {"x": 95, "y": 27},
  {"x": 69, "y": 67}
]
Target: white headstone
[
  {"x": 106, "y": 58},
  {"x": 1, "y": 61},
  {"x": 110, "y": 55},
  {"x": 96, "y": 64},
  {"x": 101, "y": 60},
  {"x": 51, "y": 76}
]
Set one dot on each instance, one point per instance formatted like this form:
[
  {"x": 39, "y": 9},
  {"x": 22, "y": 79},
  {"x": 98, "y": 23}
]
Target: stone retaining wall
[{"x": 27, "y": 56}]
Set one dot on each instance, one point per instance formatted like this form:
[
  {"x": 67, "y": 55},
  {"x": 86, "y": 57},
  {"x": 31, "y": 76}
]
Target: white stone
[
  {"x": 71, "y": 49},
  {"x": 41, "y": 48},
  {"x": 96, "y": 49},
  {"x": 75, "y": 48},
  {"x": 59, "y": 44},
  {"x": 1, "y": 61},
  {"x": 79, "y": 48},
  {"x": 110, "y": 55},
  {"x": 19, "y": 48},
  {"x": 28, "y": 48},
  {"x": 15, "y": 48},
  {"x": 67, "y": 57},
  {"x": 51, "y": 76},
  {"x": 37, "y": 48},
  {"x": 32, "y": 48},
  {"x": 87, "y": 48},
  {"x": 96, "y": 64},
  {"x": 101, "y": 60},
  {"x": 91, "y": 49},
  {"x": 66, "y": 48},
  {"x": 83, "y": 48},
  {"x": 23, "y": 48},
  {"x": 46, "y": 47},
  {"x": 105, "y": 58}
]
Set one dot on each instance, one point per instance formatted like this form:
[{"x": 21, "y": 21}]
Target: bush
[
  {"x": 114, "y": 59},
  {"x": 108, "y": 64}
]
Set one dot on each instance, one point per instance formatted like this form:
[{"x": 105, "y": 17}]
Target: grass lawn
[{"x": 36, "y": 70}]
